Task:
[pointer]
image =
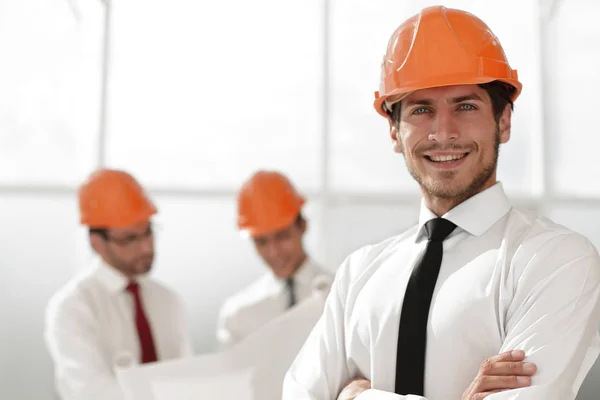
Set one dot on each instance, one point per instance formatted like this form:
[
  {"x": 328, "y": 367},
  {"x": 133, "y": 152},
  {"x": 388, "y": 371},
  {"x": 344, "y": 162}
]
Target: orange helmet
[
  {"x": 267, "y": 202},
  {"x": 441, "y": 47},
  {"x": 113, "y": 199}
]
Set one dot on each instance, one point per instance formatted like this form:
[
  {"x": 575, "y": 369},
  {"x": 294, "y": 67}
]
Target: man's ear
[
  {"x": 98, "y": 243},
  {"x": 395, "y": 136},
  {"x": 303, "y": 225},
  {"x": 504, "y": 124}
]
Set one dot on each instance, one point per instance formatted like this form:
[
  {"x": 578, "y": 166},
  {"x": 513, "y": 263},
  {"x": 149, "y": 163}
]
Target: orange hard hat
[
  {"x": 113, "y": 199},
  {"x": 441, "y": 47},
  {"x": 267, "y": 202}
]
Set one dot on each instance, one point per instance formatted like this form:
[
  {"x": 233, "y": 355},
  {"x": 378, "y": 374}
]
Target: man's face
[
  {"x": 283, "y": 251},
  {"x": 450, "y": 139},
  {"x": 130, "y": 250}
]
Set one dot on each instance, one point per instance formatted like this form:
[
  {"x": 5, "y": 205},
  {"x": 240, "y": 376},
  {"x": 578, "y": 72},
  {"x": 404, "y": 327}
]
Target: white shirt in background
[
  {"x": 507, "y": 281},
  {"x": 266, "y": 299},
  {"x": 90, "y": 324}
]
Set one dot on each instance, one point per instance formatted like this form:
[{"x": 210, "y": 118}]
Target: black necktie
[
  {"x": 291, "y": 292},
  {"x": 412, "y": 333}
]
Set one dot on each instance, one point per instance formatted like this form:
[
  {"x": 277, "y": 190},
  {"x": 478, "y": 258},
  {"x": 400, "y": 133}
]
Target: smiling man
[
  {"x": 113, "y": 312},
  {"x": 270, "y": 213},
  {"x": 478, "y": 300}
]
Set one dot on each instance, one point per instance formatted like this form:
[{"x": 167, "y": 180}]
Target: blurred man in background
[
  {"x": 270, "y": 212},
  {"x": 113, "y": 312}
]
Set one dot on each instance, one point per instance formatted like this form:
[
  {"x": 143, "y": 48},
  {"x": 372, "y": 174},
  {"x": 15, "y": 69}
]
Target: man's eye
[
  {"x": 467, "y": 107},
  {"x": 420, "y": 110}
]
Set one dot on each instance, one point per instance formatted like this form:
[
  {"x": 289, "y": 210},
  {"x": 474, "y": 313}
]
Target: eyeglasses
[{"x": 130, "y": 240}]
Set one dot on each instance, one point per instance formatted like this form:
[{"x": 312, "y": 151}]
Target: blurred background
[{"x": 191, "y": 97}]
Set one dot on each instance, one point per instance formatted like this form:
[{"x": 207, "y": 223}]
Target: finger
[
  {"x": 354, "y": 388},
  {"x": 486, "y": 383},
  {"x": 356, "y": 379},
  {"x": 483, "y": 395},
  {"x": 509, "y": 356},
  {"x": 513, "y": 355},
  {"x": 504, "y": 368}
]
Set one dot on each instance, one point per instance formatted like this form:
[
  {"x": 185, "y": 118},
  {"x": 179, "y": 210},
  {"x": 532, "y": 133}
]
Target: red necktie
[{"x": 143, "y": 327}]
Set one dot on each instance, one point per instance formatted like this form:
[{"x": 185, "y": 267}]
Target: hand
[
  {"x": 354, "y": 388},
  {"x": 502, "y": 372}
]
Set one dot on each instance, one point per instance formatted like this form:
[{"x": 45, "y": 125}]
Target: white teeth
[{"x": 450, "y": 157}]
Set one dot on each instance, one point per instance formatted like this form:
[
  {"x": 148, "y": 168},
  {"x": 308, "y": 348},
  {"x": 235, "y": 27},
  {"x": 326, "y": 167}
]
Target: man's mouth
[{"x": 446, "y": 158}]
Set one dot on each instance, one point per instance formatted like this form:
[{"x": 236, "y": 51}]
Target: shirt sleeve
[
  {"x": 554, "y": 318},
  {"x": 320, "y": 368},
  {"x": 81, "y": 370}
]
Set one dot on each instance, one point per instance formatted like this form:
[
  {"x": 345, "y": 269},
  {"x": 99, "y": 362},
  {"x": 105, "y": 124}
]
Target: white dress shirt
[
  {"x": 90, "y": 325},
  {"x": 508, "y": 281},
  {"x": 266, "y": 299}
]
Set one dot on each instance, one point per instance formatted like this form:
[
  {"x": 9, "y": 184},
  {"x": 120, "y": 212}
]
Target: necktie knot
[
  {"x": 133, "y": 288},
  {"x": 438, "y": 229}
]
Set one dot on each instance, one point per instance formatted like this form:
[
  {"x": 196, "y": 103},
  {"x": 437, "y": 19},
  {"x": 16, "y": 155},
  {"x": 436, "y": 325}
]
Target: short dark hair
[
  {"x": 299, "y": 219},
  {"x": 500, "y": 94},
  {"x": 99, "y": 231}
]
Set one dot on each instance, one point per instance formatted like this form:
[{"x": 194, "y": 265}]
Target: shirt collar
[
  {"x": 475, "y": 215},
  {"x": 111, "y": 278},
  {"x": 304, "y": 274}
]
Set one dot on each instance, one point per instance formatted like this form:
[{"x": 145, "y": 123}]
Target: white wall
[{"x": 199, "y": 96}]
